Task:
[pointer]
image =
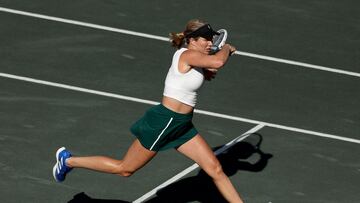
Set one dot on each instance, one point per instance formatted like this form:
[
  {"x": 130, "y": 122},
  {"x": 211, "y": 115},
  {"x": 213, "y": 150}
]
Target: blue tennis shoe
[{"x": 60, "y": 169}]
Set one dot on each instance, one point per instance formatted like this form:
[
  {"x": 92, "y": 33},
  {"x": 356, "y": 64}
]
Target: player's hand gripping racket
[{"x": 219, "y": 41}]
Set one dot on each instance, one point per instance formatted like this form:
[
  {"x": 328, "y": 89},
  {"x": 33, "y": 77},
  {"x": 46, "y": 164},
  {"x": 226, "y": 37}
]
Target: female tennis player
[{"x": 169, "y": 124}]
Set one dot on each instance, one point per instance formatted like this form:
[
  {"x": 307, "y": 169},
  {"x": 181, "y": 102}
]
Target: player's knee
[
  {"x": 123, "y": 171},
  {"x": 215, "y": 170},
  {"x": 218, "y": 171}
]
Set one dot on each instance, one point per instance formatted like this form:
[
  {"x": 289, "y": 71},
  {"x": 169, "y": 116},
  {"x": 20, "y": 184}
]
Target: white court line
[
  {"x": 195, "y": 166},
  {"x": 139, "y": 34},
  {"x": 295, "y": 63},
  {"x": 84, "y": 24},
  {"x": 213, "y": 114}
]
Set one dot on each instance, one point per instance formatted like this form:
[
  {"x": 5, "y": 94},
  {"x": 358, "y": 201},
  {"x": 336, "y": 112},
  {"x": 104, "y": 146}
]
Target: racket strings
[{"x": 219, "y": 41}]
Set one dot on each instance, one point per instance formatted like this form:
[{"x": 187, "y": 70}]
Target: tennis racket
[{"x": 219, "y": 41}]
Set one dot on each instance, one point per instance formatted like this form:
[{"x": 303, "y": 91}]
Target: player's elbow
[{"x": 218, "y": 64}]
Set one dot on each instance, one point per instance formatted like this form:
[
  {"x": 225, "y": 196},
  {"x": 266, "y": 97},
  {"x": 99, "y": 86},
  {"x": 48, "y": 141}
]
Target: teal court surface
[{"x": 79, "y": 73}]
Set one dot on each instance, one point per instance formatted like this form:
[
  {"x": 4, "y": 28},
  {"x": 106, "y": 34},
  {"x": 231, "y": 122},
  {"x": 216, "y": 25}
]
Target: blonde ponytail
[{"x": 177, "y": 39}]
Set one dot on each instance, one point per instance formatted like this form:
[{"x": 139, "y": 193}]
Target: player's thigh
[
  {"x": 137, "y": 156},
  {"x": 199, "y": 150}
]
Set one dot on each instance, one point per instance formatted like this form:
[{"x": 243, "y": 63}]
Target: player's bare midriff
[{"x": 176, "y": 105}]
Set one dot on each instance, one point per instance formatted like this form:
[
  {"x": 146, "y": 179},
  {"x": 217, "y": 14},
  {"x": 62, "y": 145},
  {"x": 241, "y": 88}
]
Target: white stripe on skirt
[{"x": 161, "y": 133}]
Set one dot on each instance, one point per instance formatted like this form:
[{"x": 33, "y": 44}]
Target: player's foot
[{"x": 60, "y": 169}]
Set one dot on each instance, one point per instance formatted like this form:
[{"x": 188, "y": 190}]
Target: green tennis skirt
[{"x": 161, "y": 128}]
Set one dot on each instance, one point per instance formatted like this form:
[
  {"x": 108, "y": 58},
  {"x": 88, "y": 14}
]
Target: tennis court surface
[{"x": 78, "y": 74}]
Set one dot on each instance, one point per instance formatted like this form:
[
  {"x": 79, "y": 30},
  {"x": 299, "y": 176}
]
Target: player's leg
[
  {"x": 135, "y": 158},
  {"x": 198, "y": 150}
]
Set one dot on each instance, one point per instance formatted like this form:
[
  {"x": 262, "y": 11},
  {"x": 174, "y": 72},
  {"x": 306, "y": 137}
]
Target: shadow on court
[
  {"x": 84, "y": 198},
  {"x": 200, "y": 187}
]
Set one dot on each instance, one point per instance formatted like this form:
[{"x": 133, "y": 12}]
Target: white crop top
[{"x": 183, "y": 86}]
